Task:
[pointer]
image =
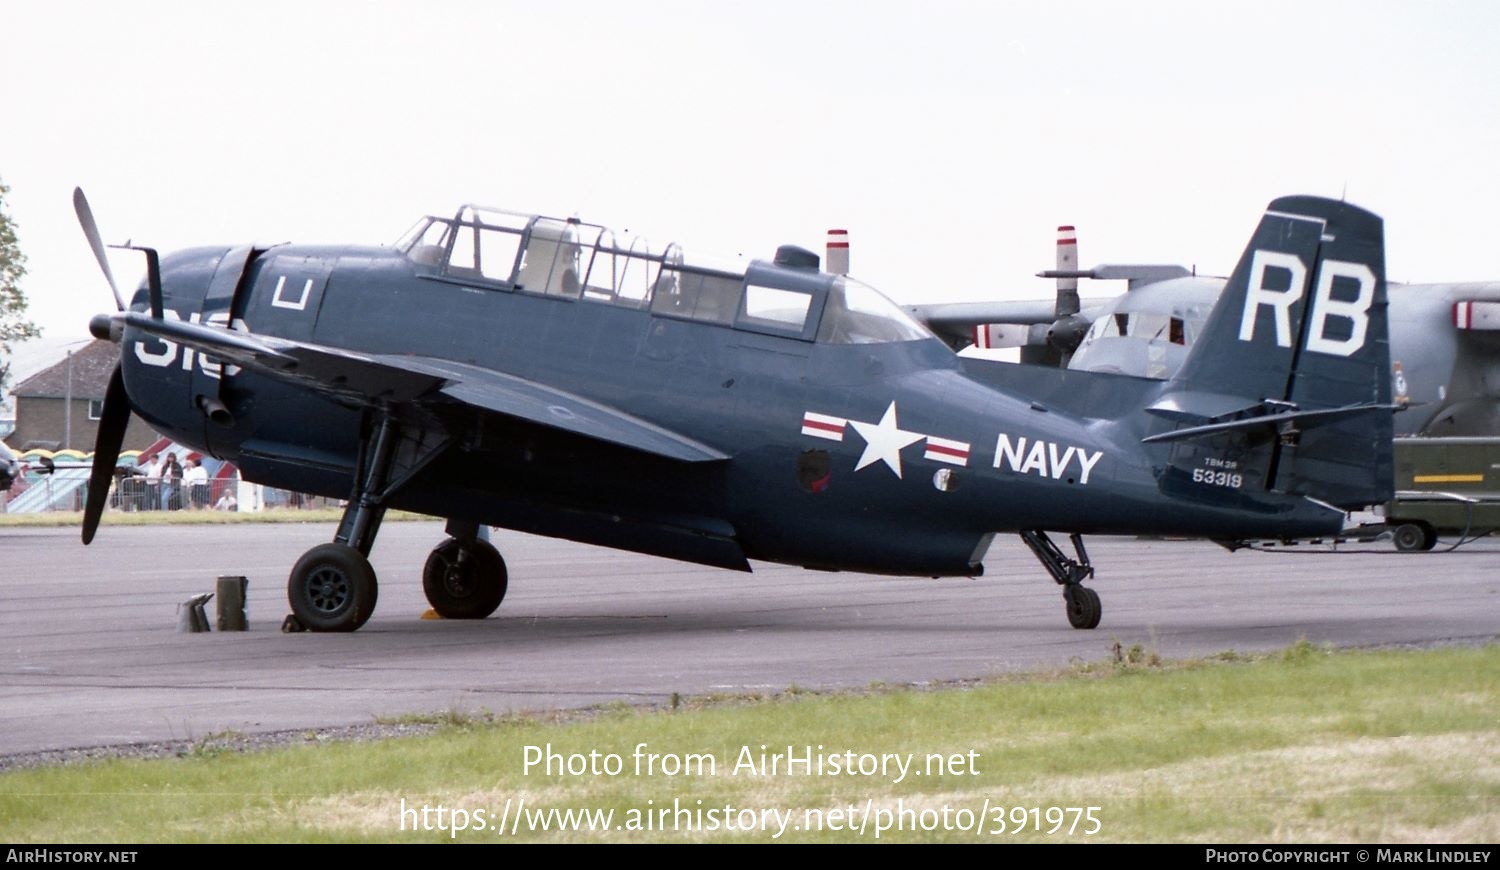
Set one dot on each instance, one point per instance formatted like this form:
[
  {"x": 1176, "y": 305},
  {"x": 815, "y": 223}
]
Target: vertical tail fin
[
  {"x": 1303, "y": 317},
  {"x": 1293, "y": 364}
]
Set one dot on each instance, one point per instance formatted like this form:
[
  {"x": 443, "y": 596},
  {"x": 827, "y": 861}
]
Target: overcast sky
[{"x": 949, "y": 138}]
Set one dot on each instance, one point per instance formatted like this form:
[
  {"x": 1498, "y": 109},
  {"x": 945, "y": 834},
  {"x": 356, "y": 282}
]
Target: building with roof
[{"x": 58, "y": 408}]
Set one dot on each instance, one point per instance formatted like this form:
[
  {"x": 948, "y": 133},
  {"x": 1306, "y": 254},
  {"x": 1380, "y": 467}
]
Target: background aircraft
[
  {"x": 1445, "y": 338},
  {"x": 10, "y": 468},
  {"x": 551, "y": 376}
]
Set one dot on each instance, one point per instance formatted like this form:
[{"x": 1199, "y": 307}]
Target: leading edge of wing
[
  {"x": 374, "y": 379},
  {"x": 961, "y": 315}
]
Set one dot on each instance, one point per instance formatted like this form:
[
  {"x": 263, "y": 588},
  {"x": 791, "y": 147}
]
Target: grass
[{"x": 1303, "y": 746}]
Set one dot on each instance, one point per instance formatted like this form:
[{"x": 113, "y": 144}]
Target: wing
[
  {"x": 962, "y": 315},
  {"x": 956, "y": 322},
  {"x": 359, "y": 378},
  {"x": 1010, "y": 324}
]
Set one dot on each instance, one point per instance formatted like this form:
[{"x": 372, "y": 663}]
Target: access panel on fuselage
[{"x": 288, "y": 293}]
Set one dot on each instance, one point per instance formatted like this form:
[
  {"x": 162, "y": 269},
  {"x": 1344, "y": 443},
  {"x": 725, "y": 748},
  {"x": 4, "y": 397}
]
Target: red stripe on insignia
[
  {"x": 947, "y": 451},
  {"x": 818, "y": 424}
]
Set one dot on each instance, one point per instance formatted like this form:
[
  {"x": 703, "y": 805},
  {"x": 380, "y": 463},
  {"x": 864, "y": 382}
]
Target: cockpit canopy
[
  {"x": 1148, "y": 331},
  {"x": 570, "y": 259}
]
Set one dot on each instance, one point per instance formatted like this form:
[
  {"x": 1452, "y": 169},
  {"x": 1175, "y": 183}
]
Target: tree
[{"x": 13, "y": 323}]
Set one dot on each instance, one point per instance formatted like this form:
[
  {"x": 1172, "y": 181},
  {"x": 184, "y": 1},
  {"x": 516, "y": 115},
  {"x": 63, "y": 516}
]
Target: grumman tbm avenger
[{"x": 550, "y": 376}]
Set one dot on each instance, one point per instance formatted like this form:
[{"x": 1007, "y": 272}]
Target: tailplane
[{"x": 1288, "y": 388}]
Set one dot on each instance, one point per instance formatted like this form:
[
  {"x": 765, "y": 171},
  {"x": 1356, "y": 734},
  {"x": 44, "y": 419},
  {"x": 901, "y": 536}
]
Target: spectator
[
  {"x": 120, "y": 500},
  {"x": 153, "y": 482},
  {"x": 171, "y": 480},
  {"x": 195, "y": 479}
]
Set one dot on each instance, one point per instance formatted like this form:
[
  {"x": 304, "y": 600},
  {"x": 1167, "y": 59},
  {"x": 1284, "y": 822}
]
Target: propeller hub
[
  {"x": 1066, "y": 333},
  {"x": 105, "y": 327}
]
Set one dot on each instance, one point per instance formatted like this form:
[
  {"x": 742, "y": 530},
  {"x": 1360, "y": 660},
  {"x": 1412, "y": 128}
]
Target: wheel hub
[
  {"x": 455, "y": 580},
  {"x": 329, "y": 590}
]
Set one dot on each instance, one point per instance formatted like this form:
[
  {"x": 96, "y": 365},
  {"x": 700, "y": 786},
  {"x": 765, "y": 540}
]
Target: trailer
[{"x": 1445, "y": 487}]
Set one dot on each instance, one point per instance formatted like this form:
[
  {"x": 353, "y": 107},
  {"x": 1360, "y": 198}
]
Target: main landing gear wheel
[
  {"x": 464, "y": 580},
  {"x": 1413, "y": 537},
  {"x": 1084, "y": 609},
  {"x": 332, "y": 588}
]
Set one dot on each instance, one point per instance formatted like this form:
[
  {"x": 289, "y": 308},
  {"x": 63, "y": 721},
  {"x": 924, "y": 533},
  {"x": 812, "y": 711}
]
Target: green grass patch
[{"x": 1306, "y": 746}]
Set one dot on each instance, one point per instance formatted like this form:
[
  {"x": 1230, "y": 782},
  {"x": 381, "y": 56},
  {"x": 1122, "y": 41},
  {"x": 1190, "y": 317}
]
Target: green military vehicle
[{"x": 1444, "y": 487}]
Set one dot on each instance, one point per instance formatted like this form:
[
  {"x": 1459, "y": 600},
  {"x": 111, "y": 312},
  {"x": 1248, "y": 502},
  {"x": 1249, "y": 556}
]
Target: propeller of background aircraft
[{"x": 1067, "y": 330}]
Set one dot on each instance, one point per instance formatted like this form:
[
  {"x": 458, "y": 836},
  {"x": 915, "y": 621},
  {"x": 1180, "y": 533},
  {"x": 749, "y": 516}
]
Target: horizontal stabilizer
[
  {"x": 1195, "y": 406},
  {"x": 1277, "y": 422}
]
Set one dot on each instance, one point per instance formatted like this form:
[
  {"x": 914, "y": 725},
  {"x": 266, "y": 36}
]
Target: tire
[
  {"x": 332, "y": 588},
  {"x": 1413, "y": 537},
  {"x": 1084, "y": 607},
  {"x": 464, "y": 581}
]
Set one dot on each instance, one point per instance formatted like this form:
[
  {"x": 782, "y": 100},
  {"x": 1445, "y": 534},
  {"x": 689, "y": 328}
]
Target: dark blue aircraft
[{"x": 549, "y": 376}]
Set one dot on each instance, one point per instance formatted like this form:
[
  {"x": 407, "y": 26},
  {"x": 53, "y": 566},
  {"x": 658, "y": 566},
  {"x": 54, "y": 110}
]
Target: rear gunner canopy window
[{"x": 781, "y": 309}]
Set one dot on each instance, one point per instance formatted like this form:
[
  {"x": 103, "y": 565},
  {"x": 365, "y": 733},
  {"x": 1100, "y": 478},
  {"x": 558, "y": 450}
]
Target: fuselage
[{"x": 845, "y": 451}]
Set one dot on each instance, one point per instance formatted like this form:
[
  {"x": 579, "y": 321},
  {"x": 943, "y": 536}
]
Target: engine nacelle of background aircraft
[{"x": 10, "y": 468}]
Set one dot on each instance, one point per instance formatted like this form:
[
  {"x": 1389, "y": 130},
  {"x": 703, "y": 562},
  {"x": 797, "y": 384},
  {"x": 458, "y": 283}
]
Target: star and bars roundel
[{"x": 885, "y": 439}]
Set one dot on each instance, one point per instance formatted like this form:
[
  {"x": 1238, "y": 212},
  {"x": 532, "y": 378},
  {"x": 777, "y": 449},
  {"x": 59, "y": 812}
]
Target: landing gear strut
[
  {"x": 1082, "y": 603},
  {"x": 465, "y": 577},
  {"x": 332, "y": 587}
]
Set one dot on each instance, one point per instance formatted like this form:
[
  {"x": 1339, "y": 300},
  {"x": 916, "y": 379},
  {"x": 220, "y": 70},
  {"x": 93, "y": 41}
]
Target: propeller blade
[
  {"x": 1067, "y": 261},
  {"x": 153, "y": 281},
  {"x": 91, "y": 230},
  {"x": 1067, "y": 331},
  {"x": 112, "y": 423}
]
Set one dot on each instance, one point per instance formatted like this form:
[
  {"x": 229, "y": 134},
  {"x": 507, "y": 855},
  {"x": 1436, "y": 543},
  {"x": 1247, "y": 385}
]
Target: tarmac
[{"x": 90, "y": 655}]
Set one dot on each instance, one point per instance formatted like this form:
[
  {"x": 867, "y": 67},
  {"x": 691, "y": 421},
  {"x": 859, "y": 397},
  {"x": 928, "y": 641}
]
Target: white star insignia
[{"x": 884, "y": 440}]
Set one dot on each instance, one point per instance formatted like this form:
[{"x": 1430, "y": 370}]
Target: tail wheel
[
  {"x": 1084, "y": 608},
  {"x": 464, "y": 580},
  {"x": 332, "y": 588}
]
